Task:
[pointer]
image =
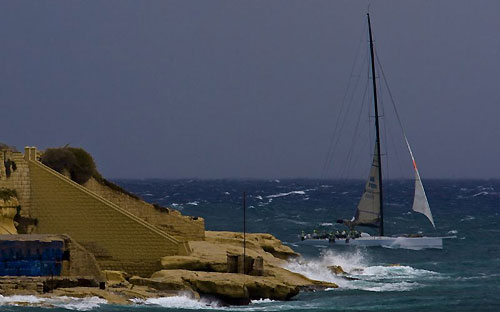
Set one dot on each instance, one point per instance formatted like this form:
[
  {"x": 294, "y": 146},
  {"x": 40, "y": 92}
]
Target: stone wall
[
  {"x": 119, "y": 239},
  {"x": 18, "y": 180},
  {"x": 171, "y": 221}
]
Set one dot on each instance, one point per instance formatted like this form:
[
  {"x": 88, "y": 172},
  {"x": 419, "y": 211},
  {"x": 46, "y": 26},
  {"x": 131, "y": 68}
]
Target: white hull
[{"x": 380, "y": 241}]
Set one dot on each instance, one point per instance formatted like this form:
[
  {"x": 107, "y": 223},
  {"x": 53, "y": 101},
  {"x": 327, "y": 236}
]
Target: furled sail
[
  {"x": 420, "y": 203},
  {"x": 368, "y": 212}
]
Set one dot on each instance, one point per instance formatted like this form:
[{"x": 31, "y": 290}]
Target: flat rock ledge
[
  {"x": 229, "y": 288},
  {"x": 202, "y": 273}
]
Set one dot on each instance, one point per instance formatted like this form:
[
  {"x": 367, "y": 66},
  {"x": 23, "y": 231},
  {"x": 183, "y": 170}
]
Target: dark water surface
[{"x": 463, "y": 276}]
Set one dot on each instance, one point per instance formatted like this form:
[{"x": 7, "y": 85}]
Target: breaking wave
[
  {"x": 286, "y": 194},
  {"x": 178, "y": 302},
  {"x": 359, "y": 274},
  {"x": 70, "y": 303}
]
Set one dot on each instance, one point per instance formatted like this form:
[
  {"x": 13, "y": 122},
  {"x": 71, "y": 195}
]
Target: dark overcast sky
[{"x": 216, "y": 89}]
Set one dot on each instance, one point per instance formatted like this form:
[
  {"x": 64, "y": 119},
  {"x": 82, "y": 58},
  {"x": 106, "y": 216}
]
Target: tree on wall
[
  {"x": 76, "y": 161},
  {"x": 79, "y": 164}
]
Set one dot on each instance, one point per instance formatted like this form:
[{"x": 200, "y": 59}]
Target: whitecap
[
  {"x": 467, "y": 218},
  {"x": 395, "y": 272},
  {"x": 326, "y": 224},
  {"x": 262, "y": 301},
  {"x": 480, "y": 194},
  {"x": 403, "y": 286},
  {"x": 178, "y": 302},
  {"x": 193, "y": 203},
  {"x": 79, "y": 304},
  {"x": 286, "y": 194},
  {"x": 317, "y": 269},
  {"x": 453, "y": 232},
  {"x": 227, "y": 193},
  {"x": 259, "y": 197},
  {"x": 363, "y": 276},
  {"x": 70, "y": 303}
]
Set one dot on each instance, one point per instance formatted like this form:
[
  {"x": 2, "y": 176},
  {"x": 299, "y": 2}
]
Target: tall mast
[{"x": 377, "y": 127}]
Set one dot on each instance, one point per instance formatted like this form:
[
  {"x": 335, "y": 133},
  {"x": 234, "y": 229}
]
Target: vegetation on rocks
[
  {"x": 75, "y": 161},
  {"x": 79, "y": 164}
]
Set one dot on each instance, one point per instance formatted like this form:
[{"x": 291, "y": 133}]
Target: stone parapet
[
  {"x": 183, "y": 228},
  {"x": 119, "y": 239}
]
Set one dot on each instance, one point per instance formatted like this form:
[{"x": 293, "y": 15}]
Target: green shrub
[
  {"x": 59, "y": 159},
  {"x": 76, "y": 161},
  {"x": 79, "y": 164}
]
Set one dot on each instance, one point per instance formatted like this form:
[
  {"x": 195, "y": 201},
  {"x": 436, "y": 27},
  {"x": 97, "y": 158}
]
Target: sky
[{"x": 245, "y": 89}]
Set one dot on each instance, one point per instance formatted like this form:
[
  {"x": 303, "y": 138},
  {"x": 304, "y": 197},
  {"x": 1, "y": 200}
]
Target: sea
[{"x": 463, "y": 276}]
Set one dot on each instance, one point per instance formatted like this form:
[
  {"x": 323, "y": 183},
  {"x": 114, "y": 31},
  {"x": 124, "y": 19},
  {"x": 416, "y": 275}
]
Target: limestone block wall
[
  {"x": 182, "y": 227},
  {"x": 18, "y": 180},
  {"x": 118, "y": 239}
]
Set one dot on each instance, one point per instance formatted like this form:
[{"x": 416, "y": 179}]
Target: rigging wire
[
  {"x": 349, "y": 161},
  {"x": 335, "y": 136},
  {"x": 381, "y": 70}
]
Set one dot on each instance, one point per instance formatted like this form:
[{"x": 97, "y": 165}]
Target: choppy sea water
[{"x": 463, "y": 276}]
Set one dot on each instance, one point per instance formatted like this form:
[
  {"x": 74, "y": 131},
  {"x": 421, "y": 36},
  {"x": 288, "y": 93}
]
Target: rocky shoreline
[{"x": 203, "y": 273}]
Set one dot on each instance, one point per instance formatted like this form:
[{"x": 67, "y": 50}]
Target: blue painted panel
[{"x": 31, "y": 258}]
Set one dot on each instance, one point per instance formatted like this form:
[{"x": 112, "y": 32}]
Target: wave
[
  {"x": 179, "y": 302},
  {"x": 359, "y": 274},
  {"x": 480, "y": 194},
  {"x": 467, "y": 218},
  {"x": 286, "y": 194},
  {"x": 69, "y": 303},
  {"x": 193, "y": 203}
]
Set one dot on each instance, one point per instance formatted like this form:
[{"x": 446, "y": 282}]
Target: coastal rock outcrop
[{"x": 231, "y": 288}]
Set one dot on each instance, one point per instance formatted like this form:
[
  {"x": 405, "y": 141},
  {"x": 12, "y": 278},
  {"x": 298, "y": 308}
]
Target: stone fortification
[
  {"x": 154, "y": 251},
  {"x": 118, "y": 239},
  {"x": 14, "y": 174},
  {"x": 183, "y": 228}
]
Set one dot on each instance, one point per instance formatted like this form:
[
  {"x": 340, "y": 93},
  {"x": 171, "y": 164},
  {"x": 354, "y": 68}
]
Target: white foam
[
  {"x": 317, "y": 269},
  {"x": 193, "y": 203},
  {"x": 361, "y": 275},
  {"x": 178, "y": 302},
  {"x": 80, "y": 304},
  {"x": 453, "y": 232},
  {"x": 259, "y": 197},
  {"x": 70, "y": 303},
  {"x": 403, "y": 286},
  {"x": 286, "y": 194},
  {"x": 480, "y": 194},
  {"x": 395, "y": 272},
  {"x": 467, "y": 218},
  {"x": 262, "y": 301}
]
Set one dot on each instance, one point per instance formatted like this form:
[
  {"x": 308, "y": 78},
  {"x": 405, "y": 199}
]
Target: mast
[{"x": 377, "y": 127}]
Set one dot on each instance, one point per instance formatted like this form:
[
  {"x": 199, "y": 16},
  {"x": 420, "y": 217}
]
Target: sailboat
[{"x": 370, "y": 210}]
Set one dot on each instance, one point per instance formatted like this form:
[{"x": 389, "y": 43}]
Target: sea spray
[
  {"x": 69, "y": 303},
  {"x": 179, "y": 302},
  {"x": 317, "y": 269},
  {"x": 359, "y": 273}
]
